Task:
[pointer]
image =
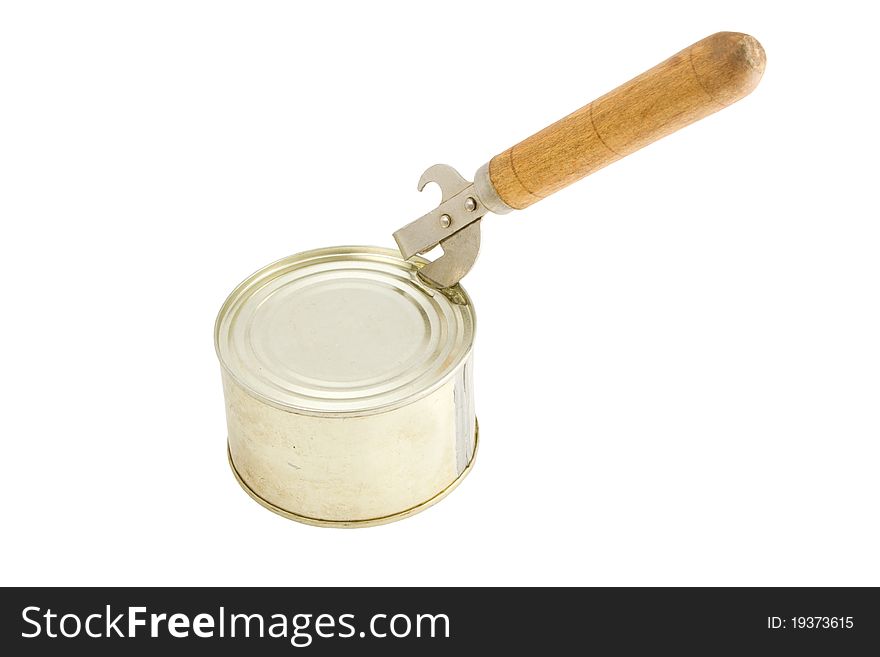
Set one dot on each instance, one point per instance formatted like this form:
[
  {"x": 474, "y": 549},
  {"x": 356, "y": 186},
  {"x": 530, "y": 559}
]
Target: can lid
[{"x": 342, "y": 331}]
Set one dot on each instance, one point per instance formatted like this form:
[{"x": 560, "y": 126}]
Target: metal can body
[
  {"x": 356, "y": 470},
  {"x": 356, "y": 442}
]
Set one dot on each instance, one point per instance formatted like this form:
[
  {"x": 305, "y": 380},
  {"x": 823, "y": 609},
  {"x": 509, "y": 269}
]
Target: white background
[{"x": 678, "y": 359}]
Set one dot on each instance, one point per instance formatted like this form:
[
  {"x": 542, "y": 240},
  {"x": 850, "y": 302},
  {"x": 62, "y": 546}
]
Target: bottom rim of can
[{"x": 368, "y": 522}]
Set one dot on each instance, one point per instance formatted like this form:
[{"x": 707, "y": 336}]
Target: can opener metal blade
[
  {"x": 454, "y": 225},
  {"x": 692, "y": 84}
]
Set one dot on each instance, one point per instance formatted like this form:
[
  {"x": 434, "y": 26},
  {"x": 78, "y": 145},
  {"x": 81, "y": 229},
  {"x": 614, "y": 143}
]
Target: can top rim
[{"x": 342, "y": 331}]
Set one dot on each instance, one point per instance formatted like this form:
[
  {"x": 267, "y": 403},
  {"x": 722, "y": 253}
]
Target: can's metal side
[{"x": 352, "y": 471}]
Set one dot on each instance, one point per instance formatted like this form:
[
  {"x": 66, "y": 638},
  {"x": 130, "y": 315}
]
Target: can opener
[{"x": 692, "y": 84}]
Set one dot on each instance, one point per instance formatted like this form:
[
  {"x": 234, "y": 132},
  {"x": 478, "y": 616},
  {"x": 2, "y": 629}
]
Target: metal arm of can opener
[
  {"x": 698, "y": 81},
  {"x": 454, "y": 224}
]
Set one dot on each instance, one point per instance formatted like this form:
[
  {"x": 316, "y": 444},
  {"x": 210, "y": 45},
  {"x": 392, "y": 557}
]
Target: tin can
[{"x": 348, "y": 386}]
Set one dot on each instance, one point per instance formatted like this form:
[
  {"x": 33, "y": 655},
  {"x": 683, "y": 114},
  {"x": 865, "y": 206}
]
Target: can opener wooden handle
[{"x": 692, "y": 84}]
